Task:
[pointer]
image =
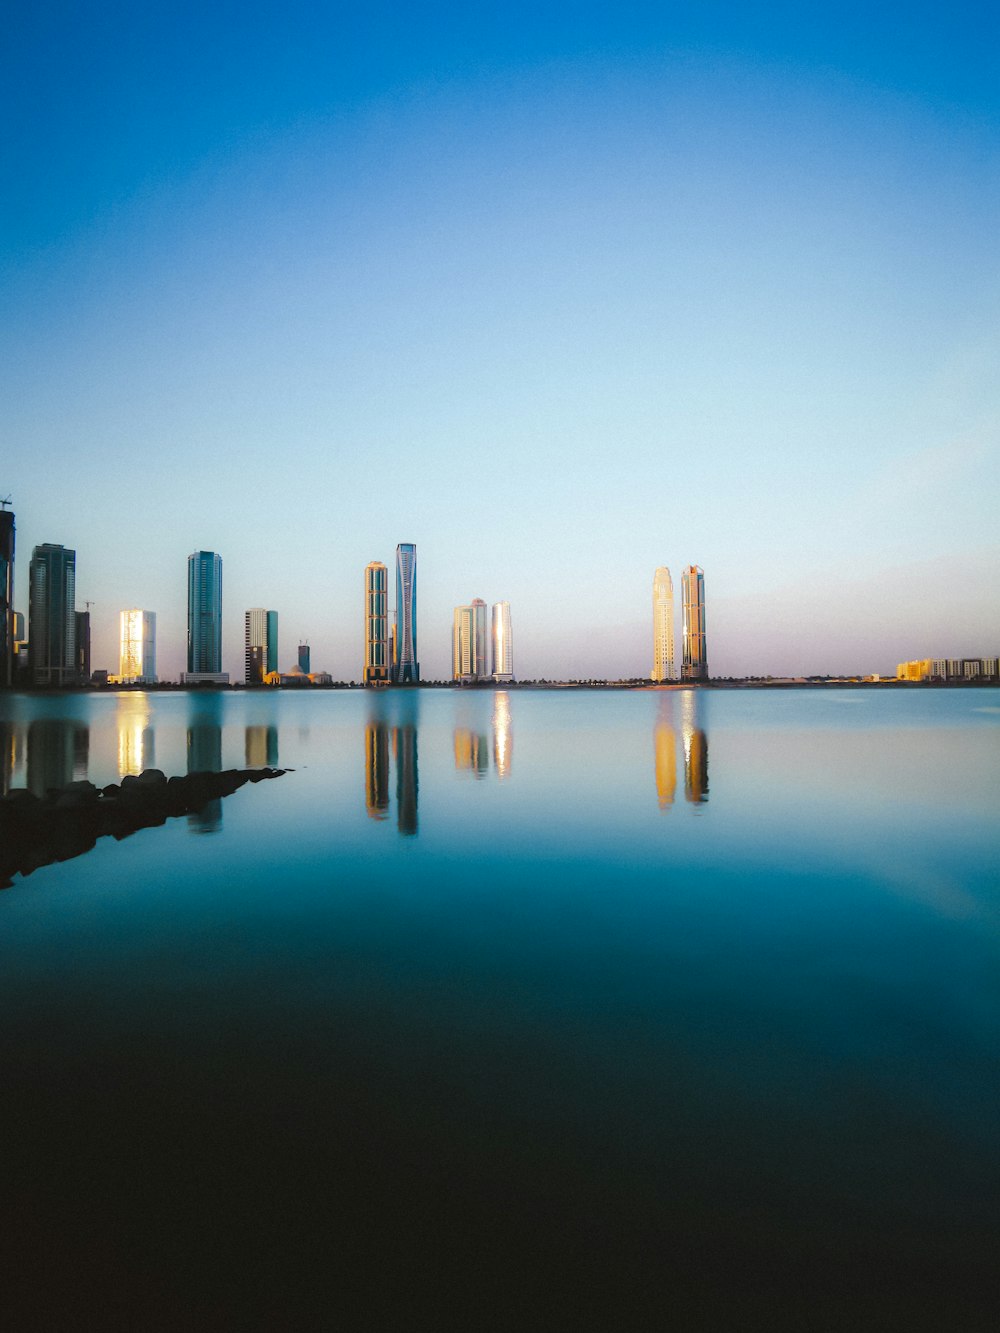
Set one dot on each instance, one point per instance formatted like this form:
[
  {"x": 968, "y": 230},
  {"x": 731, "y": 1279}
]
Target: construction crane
[{"x": 5, "y": 503}]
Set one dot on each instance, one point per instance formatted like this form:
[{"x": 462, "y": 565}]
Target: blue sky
[{"x": 559, "y": 293}]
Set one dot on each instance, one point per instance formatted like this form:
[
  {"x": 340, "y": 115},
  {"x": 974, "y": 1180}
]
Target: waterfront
[{"x": 512, "y": 1009}]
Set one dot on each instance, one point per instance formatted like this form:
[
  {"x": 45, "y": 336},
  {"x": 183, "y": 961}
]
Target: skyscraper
[
  {"x": 304, "y": 658},
  {"x": 52, "y": 615},
  {"x": 406, "y": 666},
  {"x": 6, "y": 596},
  {"x": 468, "y": 639},
  {"x": 503, "y": 643},
  {"x": 695, "y": 665},
  {"x": 204, "y": 654},
  {"x": 663, "y": 625},
  {"x": 376, "y": 668},
  {"x": 137, "y": 660},
  {"x": 260, "y": 644},
  {"x": 83, "y": 646}
]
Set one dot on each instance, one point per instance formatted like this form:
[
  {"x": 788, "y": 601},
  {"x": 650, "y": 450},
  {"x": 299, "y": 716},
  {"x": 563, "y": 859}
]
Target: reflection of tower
[
  {"x": 695, "y": 665},
  {"x": 6, "y": 596},
  {"x": 471, "y": 752},
  {"x": 503, "y": 734},
  {"x": 695, "y": 750},
  {"x": 136, "y": 747},
  {"x": 261, "y": 747},
  {"x": 52, "y": 615},
  {"x": 377, "y": 769},
  {"x": 11, "y": 754},
  {"x": 665, "y": 754},
  {"x": 663, "y": 625},
  {"x": 404, "y": 744},
  {"x": 407, "y": 667},
  {"x": 376, "y": 669},
  {"x": 204, "y": 755},
  {"x": 58, "y": 750}
]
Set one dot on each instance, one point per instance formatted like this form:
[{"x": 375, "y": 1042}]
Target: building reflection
[
  {"x": 204, "y": 755},
  {"x": 11, "y": 754},
  {"x": 377, "y": 769},
  {"x": 503, "y": 735},
  {"x": 58, "y": 751},
  {"x": 136, "y": 747},
  {"x": 404, "y": 746},
  {"x": 695, "y": 741},
  {"x": 665, "y": 753},
  {"x": 471, "y": 752},
  {"x": 261, "y": 747}
]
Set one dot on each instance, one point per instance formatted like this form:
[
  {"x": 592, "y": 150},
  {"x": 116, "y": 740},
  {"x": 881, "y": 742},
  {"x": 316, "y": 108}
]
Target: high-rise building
[
  {"x": 663, "y": 625},
  {"x": 304, "y": 657},
  {"x": 137, "y": 659},
  {"x": 695, "y": 665},
  {"x": 376, "y": 668},
  {"x": 502, "y": 643},
  {"x": 83, "y": 646},
  {"x": 469, "y": 645},
  {"x": 406, "y": 664},
  {"x": 6, "y": 597},
  {"x": 260, "y": 644},
  {"x": 52, "y": 615},
  {"x": 204, "y": 648}
]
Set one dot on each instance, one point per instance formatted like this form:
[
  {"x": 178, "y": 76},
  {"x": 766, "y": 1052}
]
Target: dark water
[{"x": 511, "y": 1010}]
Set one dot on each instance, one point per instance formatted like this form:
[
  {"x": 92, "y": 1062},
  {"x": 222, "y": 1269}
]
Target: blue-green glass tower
[
  {"x": 204, "y": 612},
  {"x": 406, "y": 667}
]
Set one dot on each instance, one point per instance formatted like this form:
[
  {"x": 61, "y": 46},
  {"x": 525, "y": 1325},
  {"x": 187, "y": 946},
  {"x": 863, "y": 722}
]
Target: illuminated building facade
[
  {"x": 503, "y": 734},
  {"x": 260, "y": 644},
  {"x": 204, "y": 643},
  {"x": 469, "y": 642},
  {"x": 406, "y": 665},
  {"x": 377, "y": 662},
  {"x": 695, "y": 665},
  {"x": 137, "y": 657},
  {"x": 83, "y": 646},
  {"x": 695, "y": 740},
  {"x": 663, "y": 625},
  {"x": 502, "y": 643},
  {"x": 52, "y": 615},
  {"x": 6, "y": 598}
]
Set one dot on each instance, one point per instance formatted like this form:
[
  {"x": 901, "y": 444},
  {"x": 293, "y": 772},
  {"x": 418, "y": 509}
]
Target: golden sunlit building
[
  {"x": 137, "y": 651},
  {"x": 695, "y": 664},
  {"x": 663, "y": 625},
  {"x": 469, "y": 643},
  {"x": 376, "y": 669}
]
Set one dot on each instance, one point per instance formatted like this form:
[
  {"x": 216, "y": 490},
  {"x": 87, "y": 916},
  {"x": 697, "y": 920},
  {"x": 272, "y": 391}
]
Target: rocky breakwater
[{"x": 67, "y": 821}]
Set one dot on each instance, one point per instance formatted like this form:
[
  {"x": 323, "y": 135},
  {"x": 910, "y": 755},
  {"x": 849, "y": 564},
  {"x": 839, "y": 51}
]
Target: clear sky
[{"x": 558, "y": 292}]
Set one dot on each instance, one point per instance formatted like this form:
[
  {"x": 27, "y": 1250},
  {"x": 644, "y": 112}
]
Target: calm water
[{"x": 511, "y": 1010}]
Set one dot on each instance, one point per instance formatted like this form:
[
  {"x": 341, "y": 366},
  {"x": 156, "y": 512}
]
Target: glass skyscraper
[
  {"x": 260, "y": 644},
  {"x": 204, "y": 654},
  {"x": 503, "y": 643},
  {"x": 406, "y": 667},
  {"x": 137, "y": 658},
  {"x": 469, "y": 645},
  {"x": 52, "y": 615},
  {"x": 376, "y": 668},
  {"x": 6, "y": 598},
  {"x": 695, "y": 665},
  {"x": 663, "y": 625}
]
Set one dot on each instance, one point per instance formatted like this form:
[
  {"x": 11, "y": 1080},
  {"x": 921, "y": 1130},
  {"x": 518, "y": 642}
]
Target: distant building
[
  {"x": 52, "y": 615},
  {"x": 137, "y": 653},
  {"x": 6, "y": 598},
  {"x": 406, "y": 663},
  {"x": 503, "y": 643},
  {"x": 204, "y": 646},
  {"x": 948, "y": 668},
  {"x": 21, "y": 672},
  {"x": 663, "y": 625},
  {"x": 695, "y": 664},
  {"x": 377, "y": 660},
  {"x": 303, "y": 658},
  {"x": 83, "y": 646},
  {"x": 260, "y": 644},
  {"x": 468, "y": 642}
]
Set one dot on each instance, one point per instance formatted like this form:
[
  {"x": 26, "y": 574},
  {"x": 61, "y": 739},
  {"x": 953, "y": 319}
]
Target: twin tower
[
  {"x": 695, "y": 662},
  {"x": 391, "y": 651}
]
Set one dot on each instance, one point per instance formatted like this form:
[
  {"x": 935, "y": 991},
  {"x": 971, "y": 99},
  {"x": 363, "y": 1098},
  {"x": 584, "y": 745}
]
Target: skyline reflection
[
  {"x": 695, "y": 740},
  {"x": 665, "y": 753},
  {"x": 136, "y": 744},
  {"x": 471, "y": 752},
  {"x": 204, "y": 755},
  {"x": 503, "y": 734},
  {"x": 377, "y": 769}
]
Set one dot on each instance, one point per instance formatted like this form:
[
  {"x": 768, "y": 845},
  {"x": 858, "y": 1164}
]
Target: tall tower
[
  {"x": 6, "y": 596},
  {"x": 663, "y": 625},
  {"x": 52, "y": 615},
  {"x": 407, "y": 667},
  {"x": 204, "y": 655},
  {"x": 376, "y": 669},
  {"x": 695, "y": 666},
  {"x": 272, "y": 641},
  {"x": 255, "y": 646},
  {"x": 469, "y": 642},
  {"x": 503, "y": 643},
  {"x": 83, "y": 647},
  {"x": 137, "y": 659}
]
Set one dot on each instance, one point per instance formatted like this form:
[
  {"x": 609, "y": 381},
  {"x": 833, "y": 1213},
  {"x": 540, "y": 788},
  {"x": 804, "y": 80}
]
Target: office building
[
  {"x": 663, "y": 625},
  {"x": 260, "y": 644},
  {"x": 695, "y": 664},
  {"x": 204, "y": 645},
  {"x": 469, "y": 643},
  {"x": 406, "y": 665},
  {"x": 377, "y": 661},
  {"x": 6, "y": 596},
  {"x": 502, "y": 643},
  {"x": 52, "y": 615},
  {"x": 137, "y": 657},
  {"x": 83, "y": 646},
  {"x": 304, "y": 656}
]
